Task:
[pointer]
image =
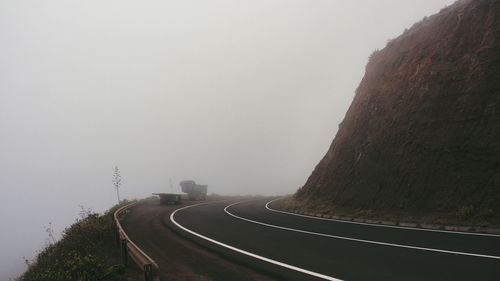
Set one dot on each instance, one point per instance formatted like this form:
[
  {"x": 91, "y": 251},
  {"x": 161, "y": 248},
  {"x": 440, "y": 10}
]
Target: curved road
[
  {"x": 178, "y": 258},
  {"x": 293, "y": 247}
]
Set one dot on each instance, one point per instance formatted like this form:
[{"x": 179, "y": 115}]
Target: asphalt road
[
  {"x": 179, "y": 259},
  {"x": 291, "y": 247}
]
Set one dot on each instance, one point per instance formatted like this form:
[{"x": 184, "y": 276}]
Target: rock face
[{"x": 423, "y": 131}]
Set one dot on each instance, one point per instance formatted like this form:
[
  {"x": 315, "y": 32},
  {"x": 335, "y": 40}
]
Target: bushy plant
[
  {"x": 465, "y": 212},
  {"x": 366, "y": 213},
  {"x": 82, "y": 254}
]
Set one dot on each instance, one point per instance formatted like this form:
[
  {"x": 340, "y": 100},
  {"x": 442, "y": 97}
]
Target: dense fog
[{"x": 244, "y": 96}]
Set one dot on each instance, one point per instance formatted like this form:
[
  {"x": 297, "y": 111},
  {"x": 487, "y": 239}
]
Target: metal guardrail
[{"x": 130, "y": 249}]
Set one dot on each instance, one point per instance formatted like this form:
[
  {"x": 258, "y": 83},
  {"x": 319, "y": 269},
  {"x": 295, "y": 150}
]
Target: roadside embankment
[
  {"x": 87, "y": 251},
  {"x": 437, "y": 221}
]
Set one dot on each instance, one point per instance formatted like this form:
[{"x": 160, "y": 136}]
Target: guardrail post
[
  {"x": 148, "y": 272},
  {"x": 123, "y": 247},
  {"x": 117, "y": 235}
]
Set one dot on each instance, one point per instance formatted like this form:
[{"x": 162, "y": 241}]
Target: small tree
[{"x": 117, "y": 182}]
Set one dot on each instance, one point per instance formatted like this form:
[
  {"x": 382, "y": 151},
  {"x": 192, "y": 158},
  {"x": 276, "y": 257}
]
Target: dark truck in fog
[{"x": 194, "y": 191}]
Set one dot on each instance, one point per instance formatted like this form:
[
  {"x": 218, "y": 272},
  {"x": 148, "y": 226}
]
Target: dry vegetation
[{"x": 87, "y": 252}]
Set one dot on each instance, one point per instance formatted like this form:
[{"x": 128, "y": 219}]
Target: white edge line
[
  {"x": 305, "y": 271},
  {"x": 378, "y": 225},
  {"x": 358, "y": 240}
]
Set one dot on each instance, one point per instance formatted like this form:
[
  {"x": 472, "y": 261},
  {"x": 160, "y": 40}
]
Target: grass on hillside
[
  {"x": 466, "y": 215},
  {"x": 87, "y": 251}
]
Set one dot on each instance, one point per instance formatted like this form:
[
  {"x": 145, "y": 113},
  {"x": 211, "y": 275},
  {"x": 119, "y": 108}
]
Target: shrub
[
  {"x": 85, "y": 253},
  {"x": 366, "y": 213},
  {"x": 465, "y": 212}
]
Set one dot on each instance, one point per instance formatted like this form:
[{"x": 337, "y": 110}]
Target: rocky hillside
[{"x": 423, "y": 131}]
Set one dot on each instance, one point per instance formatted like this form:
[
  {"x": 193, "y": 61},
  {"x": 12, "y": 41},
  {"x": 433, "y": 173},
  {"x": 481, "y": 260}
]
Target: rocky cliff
[{"x": 423, "y": 131}]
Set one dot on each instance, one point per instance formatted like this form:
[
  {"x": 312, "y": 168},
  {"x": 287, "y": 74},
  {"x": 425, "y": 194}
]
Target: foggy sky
[{"x": 245, "y": 96}]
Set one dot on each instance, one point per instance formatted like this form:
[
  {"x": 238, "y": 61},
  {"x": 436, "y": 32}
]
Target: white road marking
[
  {"x": 378, "y": 225},
  {"x": 357, "y": 240},
  {"x": 282, "y": 264}
]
